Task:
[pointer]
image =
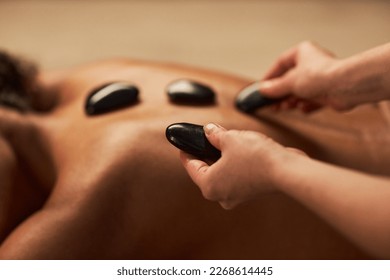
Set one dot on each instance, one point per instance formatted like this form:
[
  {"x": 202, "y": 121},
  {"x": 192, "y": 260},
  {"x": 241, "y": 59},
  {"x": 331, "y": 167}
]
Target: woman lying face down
[{"x": 110, "y": 186}]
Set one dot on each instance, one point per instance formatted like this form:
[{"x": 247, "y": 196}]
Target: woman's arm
[
  {"x": 362, "y": 78},
  {"x": 356, "y": 204}
]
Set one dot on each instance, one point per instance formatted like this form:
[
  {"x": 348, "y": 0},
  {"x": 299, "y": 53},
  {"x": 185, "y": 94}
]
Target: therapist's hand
[
  {"x": 250, "y": 165},
  {"x": 302, "y": 76}
]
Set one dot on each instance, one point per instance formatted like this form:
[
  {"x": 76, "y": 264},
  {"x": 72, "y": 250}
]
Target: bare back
[{"x": 119, "y": 190}]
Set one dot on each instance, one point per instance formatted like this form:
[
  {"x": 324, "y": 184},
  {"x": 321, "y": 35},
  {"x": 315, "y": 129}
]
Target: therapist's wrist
[{"x": 289, "y": 169}]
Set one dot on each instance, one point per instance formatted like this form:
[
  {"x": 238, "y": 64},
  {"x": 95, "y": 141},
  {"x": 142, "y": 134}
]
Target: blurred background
[{"x": 237, "y": 36}]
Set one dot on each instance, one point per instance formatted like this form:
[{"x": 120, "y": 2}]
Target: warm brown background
[{"x": 239, "y": 36}]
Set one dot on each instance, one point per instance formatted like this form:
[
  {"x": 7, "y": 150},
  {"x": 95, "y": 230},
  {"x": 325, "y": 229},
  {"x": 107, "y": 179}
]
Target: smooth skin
[{"x": 355, "y": 203}]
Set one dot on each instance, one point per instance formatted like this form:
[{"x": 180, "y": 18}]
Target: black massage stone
[
  {"x": 111, "y": 97},
  {"x": 191, "y": 139},
  {"x": 190, "y": 92},
  {"x": 249, "y": 99}
]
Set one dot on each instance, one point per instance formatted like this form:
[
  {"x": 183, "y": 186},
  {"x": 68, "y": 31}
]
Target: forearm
[
  {"x": 361, "y": 78},
  {"x": 354, "y": 203}
]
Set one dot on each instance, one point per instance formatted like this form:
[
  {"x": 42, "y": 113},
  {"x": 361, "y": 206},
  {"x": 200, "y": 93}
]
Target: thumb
[
  {"x": 196, "y": 168},
  {"x": 214, "y": 133},
  {"x": 277, "y": 87}
]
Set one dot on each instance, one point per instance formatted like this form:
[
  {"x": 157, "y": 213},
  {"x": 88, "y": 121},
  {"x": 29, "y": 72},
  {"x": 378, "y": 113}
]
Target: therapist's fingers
[
  {"x": 278, "y": 87},
  {"x": 284, "y": 63},
  {"x": 203, "y": 175},
  {"x": 215, "y": 133},
  {"x": 196, "y": 168}
]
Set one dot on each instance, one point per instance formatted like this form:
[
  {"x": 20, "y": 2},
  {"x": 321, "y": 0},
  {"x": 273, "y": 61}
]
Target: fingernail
[
  {"x": 265, "y": 85},
  {"x": 209, "y": 128}
]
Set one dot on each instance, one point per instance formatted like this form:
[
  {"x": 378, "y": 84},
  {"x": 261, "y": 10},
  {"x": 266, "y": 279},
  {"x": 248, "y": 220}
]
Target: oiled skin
[{"x": 111, "y": 186}]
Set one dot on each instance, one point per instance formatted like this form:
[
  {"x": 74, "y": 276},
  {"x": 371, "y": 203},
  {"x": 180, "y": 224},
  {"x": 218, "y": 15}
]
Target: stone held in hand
[
  {"x": 250, "y": 98},
  {"x": 191, "y": 139}
]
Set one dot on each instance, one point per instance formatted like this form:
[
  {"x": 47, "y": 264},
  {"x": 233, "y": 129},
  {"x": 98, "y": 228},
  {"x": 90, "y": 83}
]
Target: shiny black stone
[
  {"x": 250, "y": 98},
  {"x": 191, "y": 139},
  {"x": 190, "y": 92},
  {"x": 111, "y": 97}
]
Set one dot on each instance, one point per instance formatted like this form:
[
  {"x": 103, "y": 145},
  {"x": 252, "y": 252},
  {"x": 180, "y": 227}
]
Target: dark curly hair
[{"x": 16, "y": 81}]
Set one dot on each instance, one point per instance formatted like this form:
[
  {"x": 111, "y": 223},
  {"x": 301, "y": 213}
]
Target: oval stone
[
  {"x": 191, "y": 139},
  {"x": 111, "y": 97},
  {"x": 250, "y": 98},
  {"x": 190, "y": 92}
]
